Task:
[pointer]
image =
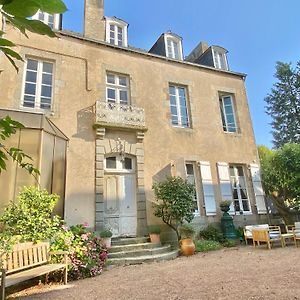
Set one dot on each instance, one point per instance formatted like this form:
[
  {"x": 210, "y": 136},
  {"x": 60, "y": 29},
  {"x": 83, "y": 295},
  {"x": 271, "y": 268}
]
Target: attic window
[
  {"x": 173, "y": 47},
  {"x": 220, "y": 60},
  {"x": 52, "y": 20},
  {"x": 116, "y": 32}
]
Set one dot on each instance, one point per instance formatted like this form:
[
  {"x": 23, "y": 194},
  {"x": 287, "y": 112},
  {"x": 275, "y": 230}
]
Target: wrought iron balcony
[{"x": 120, "y": 116}]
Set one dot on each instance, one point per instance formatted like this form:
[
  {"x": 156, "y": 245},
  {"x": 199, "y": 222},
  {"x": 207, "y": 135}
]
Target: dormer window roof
[
  {"x": 52, "y": 20},
  {"x": 173, "y": 46},
  {"x": 116, "y": 32},
  {"x": 219, "y": 57}
]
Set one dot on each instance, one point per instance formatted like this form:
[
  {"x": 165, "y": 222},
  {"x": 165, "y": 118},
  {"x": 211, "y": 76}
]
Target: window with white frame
[
  {"x": 220, "y": 60},
  {"x": 38, "y": 84},
  {"x": 239, "y": 189},
  {"x": 116, "y": 32},
  {"x": 228, "y": 114},
  {"x": 52, "y": 20},
  {"x": 191, "y": 178},
  {"x": 119, "y": 163},
  {"x": 173, "y": 47},
  {"x": 178, "y": 106},
  {"x": 117, "y": 89}
]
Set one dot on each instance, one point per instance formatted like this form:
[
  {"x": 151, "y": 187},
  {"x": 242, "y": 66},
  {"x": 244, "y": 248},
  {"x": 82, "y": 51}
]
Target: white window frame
[
  {"x": 37, "y": 100},
  {"x": 117, "y": 23},
  {"x": 236, "y": 176},
  {"x": 117, "y": 87},
  {"x": 177, "y": 99},
  {"x": 223, "y": 114},
  {"x": 218, "y": 58},
  {"x": 119, "y": 164},
  {"x": 174, "y": 40},
  {"x": 56, "y": 19},
  {"x": 196, "y": 199}
]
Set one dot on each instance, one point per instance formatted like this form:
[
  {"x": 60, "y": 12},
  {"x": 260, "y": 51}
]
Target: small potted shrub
[
  {"x": 154, "y": 233},
  {"x": 225, "y": 205},
  {"x": 106, "y": 235},
  {"x": 186, "y": 243}
]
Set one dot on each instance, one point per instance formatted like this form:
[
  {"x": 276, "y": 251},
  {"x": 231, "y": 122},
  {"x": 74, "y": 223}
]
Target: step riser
[
  {"x": 126, "y": 248},
  {"x": 138, "y": 253},
  {"x": 129, "y": 241},
  {"x": 136, "y": 261}
]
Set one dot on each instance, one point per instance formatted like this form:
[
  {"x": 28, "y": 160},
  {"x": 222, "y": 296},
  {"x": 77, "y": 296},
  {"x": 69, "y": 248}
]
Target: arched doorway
[{"x": 120, "y": 208}]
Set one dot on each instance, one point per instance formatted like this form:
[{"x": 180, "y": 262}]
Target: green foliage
[
  {"x": 106, "y": 233},
  {"x": 225, "y": 203},
  {"x": 212, "y": 233},
  {"x": 186, "y": 231},
  {"x": 207, "y": 245},
  {"x": 175, "y": 202},
  {"x": 280, "y": 171},
  {"x": 86, "y": 253},
  {"x": 229, "y": 243},
  {"x": 9, "y": 127},
  {"x": 283, "y": 105},
  {"x": 18, "y": 13},
  {"x": 154, "y": 229},
  {"x": 31, "y": 216},
  {"x": 240, "y": 234}
]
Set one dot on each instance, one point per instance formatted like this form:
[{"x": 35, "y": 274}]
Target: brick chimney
[
  {"x": 94, "y": 22},
  {"x": 197, "y": 52}
]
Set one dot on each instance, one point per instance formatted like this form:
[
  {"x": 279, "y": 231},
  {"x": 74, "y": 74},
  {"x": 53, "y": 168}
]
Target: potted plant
[
  {"x": 186, "y": 243},
  {"x": 225, "y": 205},
  {"x": 154, "y": 233},
  {"x": 106, "y": 235}
]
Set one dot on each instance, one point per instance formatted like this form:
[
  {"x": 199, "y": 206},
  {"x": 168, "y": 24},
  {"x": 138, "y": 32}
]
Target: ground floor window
[{"x": 239, "y": 189}]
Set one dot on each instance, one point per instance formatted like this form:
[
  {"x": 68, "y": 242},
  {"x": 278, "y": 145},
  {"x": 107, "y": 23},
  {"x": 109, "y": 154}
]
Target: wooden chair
[
  {"x": 294, "y": 230},
  {"x": 248, "y": 231},
  {"x": 27, "y": 261},
  {"x": 268, "y": 236}
]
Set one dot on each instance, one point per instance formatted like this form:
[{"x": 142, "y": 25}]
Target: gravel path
[{"x": 236, "y": 273}]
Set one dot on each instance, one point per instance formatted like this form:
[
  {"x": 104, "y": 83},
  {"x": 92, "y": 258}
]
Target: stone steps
[{"x": 130, "y": 251}]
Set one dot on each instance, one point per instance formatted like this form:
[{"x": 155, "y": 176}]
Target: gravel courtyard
[{"x": 234, "y": 273}]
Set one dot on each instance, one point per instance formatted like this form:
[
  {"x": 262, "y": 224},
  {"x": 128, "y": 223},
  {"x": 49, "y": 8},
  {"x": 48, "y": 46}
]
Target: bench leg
[
  {"x": 66, "y": 275},
  {"x": 269, "y": 245},
  {"x": 2, "y": 292},
  {"x": 46, "y": 278}
]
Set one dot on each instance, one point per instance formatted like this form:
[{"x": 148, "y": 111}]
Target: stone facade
[{"x": 143, "y": 129}]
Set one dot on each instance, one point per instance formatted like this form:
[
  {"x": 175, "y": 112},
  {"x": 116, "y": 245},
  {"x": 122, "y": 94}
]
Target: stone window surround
[
  {"x": 174, "y": 39},
  {"x": 119, "y": 23}
]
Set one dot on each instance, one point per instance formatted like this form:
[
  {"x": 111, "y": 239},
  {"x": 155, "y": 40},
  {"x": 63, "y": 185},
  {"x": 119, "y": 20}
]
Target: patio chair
[
  {"x": 268, "y": 236},
  {"x": 248, "y": 230},
  {"x": 296, "y": 232}
]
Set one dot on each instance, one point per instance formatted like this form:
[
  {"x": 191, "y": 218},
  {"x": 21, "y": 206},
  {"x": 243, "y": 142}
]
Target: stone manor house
[{"x": 104, "y": 120}]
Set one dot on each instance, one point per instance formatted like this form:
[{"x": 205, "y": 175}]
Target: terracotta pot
[
  {"x": 106, "y": 242},
  {"x": 187, "y": 247},
  {"x": 154, "y": 238}
]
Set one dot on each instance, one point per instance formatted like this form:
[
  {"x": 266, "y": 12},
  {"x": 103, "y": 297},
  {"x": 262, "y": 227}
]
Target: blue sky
[{"x": 257, "y": 33}]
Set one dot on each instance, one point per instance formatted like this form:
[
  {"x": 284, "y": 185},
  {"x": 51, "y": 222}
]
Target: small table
[{"x": 286, "y": 236}]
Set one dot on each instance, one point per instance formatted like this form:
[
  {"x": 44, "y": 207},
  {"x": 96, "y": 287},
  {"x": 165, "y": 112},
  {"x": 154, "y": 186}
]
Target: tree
[
  {"x": 175, "y": 202},
  {"x": 283, "y": 105},
  {"x": 281, "y": 178},
  {"x": 18, "y": 13},
  {"x": 7, "y": 128}
]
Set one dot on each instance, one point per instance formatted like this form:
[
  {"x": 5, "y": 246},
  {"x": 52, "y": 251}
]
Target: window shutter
[
  {"x": 225, "y": 184},
  {"x": 258, "y": 189},
  {"x": 208, "y": 189}
]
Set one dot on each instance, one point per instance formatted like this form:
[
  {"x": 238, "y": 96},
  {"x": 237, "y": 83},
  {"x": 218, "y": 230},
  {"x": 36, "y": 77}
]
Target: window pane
[
  {"x": 246, "y": 205},
  {"x": 112, "y": 28},
  {"x": 181, "y": 92},
  {"x": 172, "y": 90},
  {"x": 111, "y": 94},
  {"x": 30, "y": 88},
  {"x": 32, "y": 64},
  {"x": 110, "y": 78},
  {"x": 111, "y": 163},
  {"x": 174, "y": 110},
  {"x": 127, "y": 163},
  {"x": 47, "y": 67},
  {"x": 189, "y": 169},
  {"x": 47, "y": 79},
  {"x": 46, "y": 91},
  {"x": 123, "y": 96},
  {"x": 46, "y": 103},
  {"x": 28, "y": 101},
  {"x": 31, "y": 76},
  {"x": 122, "y": 81}
]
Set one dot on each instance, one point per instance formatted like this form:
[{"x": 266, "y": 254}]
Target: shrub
[
  {"x": 106, "y": 233},
  {"x": 229, "y": 243},
  {"x": 154, "y": 229},
  {"x": 212, "y": 233},
  {"x": 186, "y": 231},
  {"x": 175, "y": 202},
  {"x": 31, "y": 216},
  {"x": 87, "y": 255},
  {"x": 206, "y": 245}
]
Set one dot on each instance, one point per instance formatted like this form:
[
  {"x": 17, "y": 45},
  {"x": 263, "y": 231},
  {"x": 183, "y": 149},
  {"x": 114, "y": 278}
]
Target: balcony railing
[{"x": 120, "y": 116}]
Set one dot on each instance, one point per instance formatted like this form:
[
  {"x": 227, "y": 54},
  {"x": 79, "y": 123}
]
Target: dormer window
[
  {"x": 173, "y": 46},
  {"x": 220, "y": 60},
  {"x": 52, "y": 20},
  {"x": 116, "y": 32}
]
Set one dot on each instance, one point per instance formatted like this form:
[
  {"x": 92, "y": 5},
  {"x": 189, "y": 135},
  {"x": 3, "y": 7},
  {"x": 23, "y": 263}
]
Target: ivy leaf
[
  {"x": 21, "y": 8},
  {"x": 6, "y": 43},
  {"x": 51, "y": 7}
]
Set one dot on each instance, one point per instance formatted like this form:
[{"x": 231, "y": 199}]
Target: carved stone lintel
[
  {"x": 100, "y": 133},
  {"x": 140, "y": 136}
]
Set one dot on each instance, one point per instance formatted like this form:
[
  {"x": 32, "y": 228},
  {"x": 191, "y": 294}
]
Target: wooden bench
[
  {"x": 248, "y": 231},
  {"x": 268, "y": 236},
  {"x": 27, "y": 261}
]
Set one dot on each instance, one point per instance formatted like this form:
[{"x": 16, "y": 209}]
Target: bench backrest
[
  {"x": 261, "y": 235},
  {"x": 24, "y": 256},
  {"x": 248, "y": 229}
]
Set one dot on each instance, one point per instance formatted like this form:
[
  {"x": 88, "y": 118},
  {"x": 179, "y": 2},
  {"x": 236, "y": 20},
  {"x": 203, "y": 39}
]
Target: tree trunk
[{"x": 284, "y": 211}]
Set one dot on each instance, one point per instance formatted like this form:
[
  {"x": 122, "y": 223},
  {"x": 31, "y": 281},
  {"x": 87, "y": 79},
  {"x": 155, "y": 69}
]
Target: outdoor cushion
[{"x": 274, "y": 235}]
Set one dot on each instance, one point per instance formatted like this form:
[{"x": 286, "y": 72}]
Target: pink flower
[
  {"x": 84, "y": 237},
  {"x": 85, "y": 224}
]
